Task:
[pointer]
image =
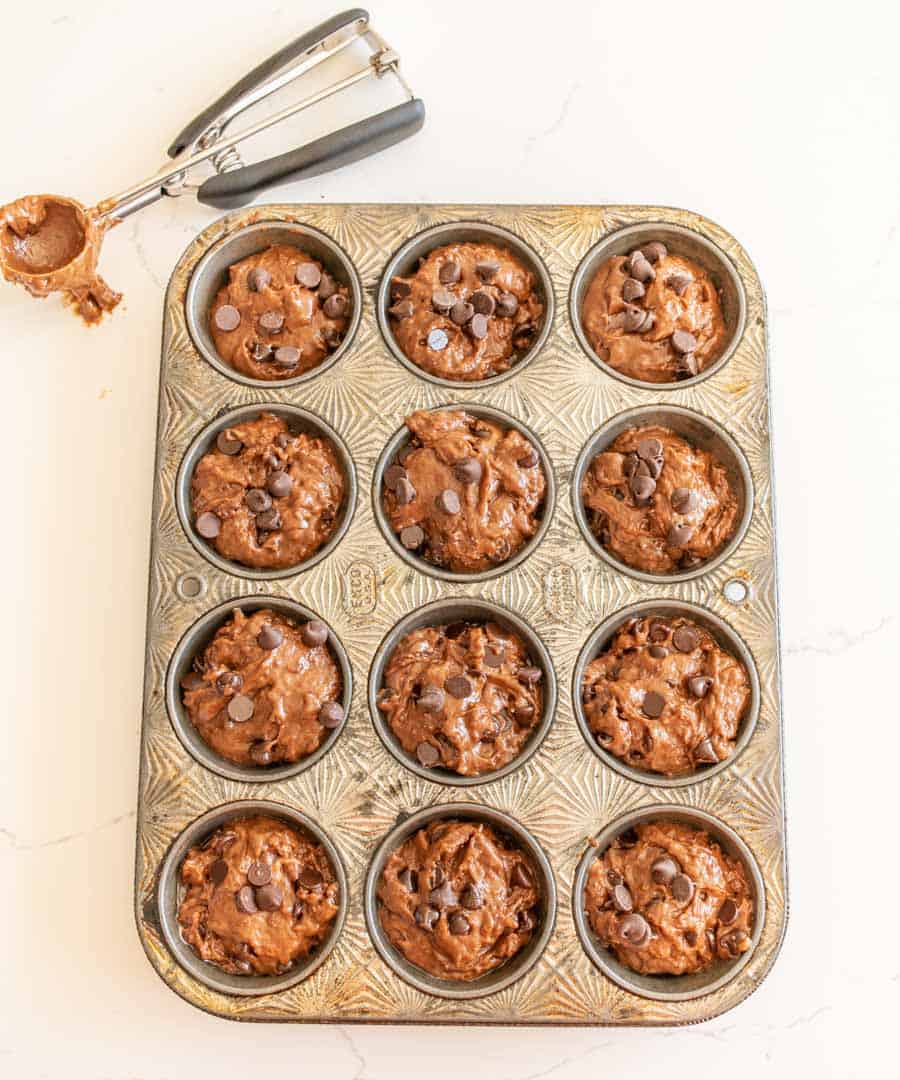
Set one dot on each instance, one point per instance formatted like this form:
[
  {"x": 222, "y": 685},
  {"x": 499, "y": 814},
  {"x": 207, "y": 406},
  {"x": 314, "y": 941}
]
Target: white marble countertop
[{"x": 780, "y": 122}]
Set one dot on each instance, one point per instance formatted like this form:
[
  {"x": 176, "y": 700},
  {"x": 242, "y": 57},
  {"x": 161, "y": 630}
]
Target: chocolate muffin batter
[
  {"x": 264, "y": 690},
  {"x": 457, "y": 901},
  {"x": 463, "y": 696},
  {"x": 265, "y": 496},
  {"x": 279, "y": 315},
  {"x": 468, "y": 312},
  {"x": 51, "y": 244},
  {"x": 666, "y": 900},
  {"x": 657, "y": 503},
  {"x": 258, "y": 897},
  {"x": 654, "y": 316},
  {"x": 665, "y": 697},
  {"x": 465, "y": 493}
]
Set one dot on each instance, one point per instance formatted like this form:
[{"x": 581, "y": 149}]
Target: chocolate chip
[
  {"x": 642, "y": 487},
  {"x": 240, "y": 708},
  {"x": 458, "y": 686},
  {"x": 310, "y": 877},
  {"x": 649, "y": 449},
  {"x": 270, "y": 637},
  {"x": 393, "y": 474},
  {"x": 269, "y": 519},
  {"x": 448, "y": 501},
  {"x": 487, "y": 269},
  {"x": 437, "y": 339},
  {"x": 461, "y": 312},
  {"x": 426, "y": 916},
  {"x": 269, "y": 897},
  {"x": 507, "y": 305},
  {"x": 412, "y": 536},
  {"x": 520, "y": 878},
  {"x": 260, "y": 754},
  {"x": 261, "y": 351},
  {"x": 403, "y": 309},
  {"x": 245, "y": 900},
  {"x": 700, "y": 685},
  {"x": 663, "y": 870},
  {"x": 271, "y": 321},
  {"x": 627, "y": 839},
  {"x": 432, "y": 699},
  {"x": 331, "y": 715},
  {"x": 683, "y": 342},
  {"x": 471, "y": 898},
  {"x": 483, "y": 302},
  {"x": 409, "y": 879},
  {"x": 287, "y": 356},
  {"x": 259, "y": 873},
  {"x": 449, "y": 272},
  {"x": 678, "y": 282},
  {"x": 427, "y": 754},
  {"x": 633, "y": 318},
  {"x": 679, "y": 536},
  {"x": 404, "y": 492},
  {"x": 335, "y": 307},
  {"x": 493, "y": 657},
  {"x": 468, "y": 471},
  {"x": 478, "y": 327},
  {"x": 308, "y": 275},
  {"x": 314, "y": 633},
  {"x": 705, "y": 753},
  {"x": 648, "y": 323},
  {"x": 634, "y": 930},
  {"x": 227, "y": 318},
  {"x": 529, "y": 459},
  {"x": 400, "y": 288},
  {"x": 682, "y": 888},
  {"x": 218, "y": 871},
  {"x": 208, "y": 525},
  {"x": 229, "y": 680},
  {"x": 437, "y": 873},
  {"x": 258, "y": 279},
  {"x": 228, "y": 443},
  {"x": 258, "y": 500},
  {"x": 327, "y": 287},
  {"x": 728, "y": 912},
  {"x": 688, "y": 365},
  {"x": 621, "y": 898},
  {"x": 443, "y": 896},
  {"x": 458, "y": 924},
  {"x": 683, "y": 500},
  {"x": 640, "y": 268},
  {"x": 653, "y": 704},
  {"x": 524, "y": 713},
  {"x": 686, "y": 638},
  {"x": 279, "y": 484},
  {"x": 734, "y": 942},
  {"x": 192, "y": 681},
  {"x": 632, "y": 289},
  {"x": 529, "y": 675},
  {"x": 654, "y": 251},
  {"x": 442, "y": 300}
]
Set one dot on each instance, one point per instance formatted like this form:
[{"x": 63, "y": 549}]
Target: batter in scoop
[
  {"x": 265, "y": 690},
  {"x": 657, "y": 503},
  {"x": 665, "y": 696},
  {"x": 653, "y": 315},
  {"x": 259, "y": 896},
  {"x": 465, "y": 493},
  {"x": 666, "y": 900},
  {"x": 467, "y": 313},
  {"x": 457, "y": 901},
  {"x": 463, "y": 696}
]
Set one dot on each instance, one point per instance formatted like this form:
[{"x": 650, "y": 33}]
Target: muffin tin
[{"x": 564, "y": 796}]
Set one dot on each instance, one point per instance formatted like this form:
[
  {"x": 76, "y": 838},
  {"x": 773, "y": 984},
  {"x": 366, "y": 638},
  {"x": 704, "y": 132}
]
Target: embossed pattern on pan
[{"x": 564, "y": 795}]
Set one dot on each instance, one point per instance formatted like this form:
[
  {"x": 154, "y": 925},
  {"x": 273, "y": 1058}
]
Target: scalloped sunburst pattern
[{"x": 564, "y": 794}]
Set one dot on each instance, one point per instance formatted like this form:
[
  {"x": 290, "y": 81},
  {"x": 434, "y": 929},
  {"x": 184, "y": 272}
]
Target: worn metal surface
[{"x": 357, "y": 792}]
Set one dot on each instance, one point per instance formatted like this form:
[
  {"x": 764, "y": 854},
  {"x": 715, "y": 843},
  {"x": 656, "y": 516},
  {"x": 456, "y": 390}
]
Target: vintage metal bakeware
[
  {"x": 564, "y": 794},
  {"x": 517, "y": 966}
]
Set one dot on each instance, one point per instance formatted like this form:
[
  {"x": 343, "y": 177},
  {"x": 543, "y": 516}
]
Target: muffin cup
[
  {"x": 512, "y": 969},
  {"x": 169, "y": 893},
  {"x": 698, "y": 430},
  {"x": 211, "y": 273},
  {"x": 405, "y": 262},
  {"x": 668, "y": 987},
  {"x": 724, "y": 635},
  {"x": 299, "y": 420},
  {"x": 454, "y": 610},
  {"x": 195, "y": 640},
  {"x": 680, "y": 241},
  {"x": 395, "y": 444}
]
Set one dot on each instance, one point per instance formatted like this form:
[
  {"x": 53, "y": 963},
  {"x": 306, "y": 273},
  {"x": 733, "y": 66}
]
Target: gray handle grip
[{"x": 359, "y": 140}]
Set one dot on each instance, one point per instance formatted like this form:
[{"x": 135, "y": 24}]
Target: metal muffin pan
[
  {"x": 701, "y": 432},
  {"x": 299, "y": 420},
  {"x": 170, "y": 892},
  {"x": 195, "y": 640},
  {"x": 406, "y": 260},
  {"x": 726, "y": 637},
  {"x": 455, "y": 610},
  {"x": 514, "y": 968},
  {"x": 402, "y": 437},
  {"x": 680, "y": 241},
  {"x": 559, "y": 791},
  {"x": 669, "y": 987},
  {"x": 211, "y": 273}
]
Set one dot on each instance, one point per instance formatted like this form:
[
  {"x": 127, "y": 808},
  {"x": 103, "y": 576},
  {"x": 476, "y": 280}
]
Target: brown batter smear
[
  {"x": 457, "y": 901},
  {"x": 466, "y": 493},
  {"x": 49, "y": 243},
  {"x": 280, "y": 314},
  {"x": 259, "y": 897},
  {"x": 654, "y": 316},
  {"x": 463, "y": 696},
  {"x": 266, "y": 496},
  {"x": 666, "y": 900},
  {"x": 657, "y": 503},
  {"x": 665, "y": 696},
  {"x": 468, "y": 312},
  {"x": 264, "y": 690}
]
